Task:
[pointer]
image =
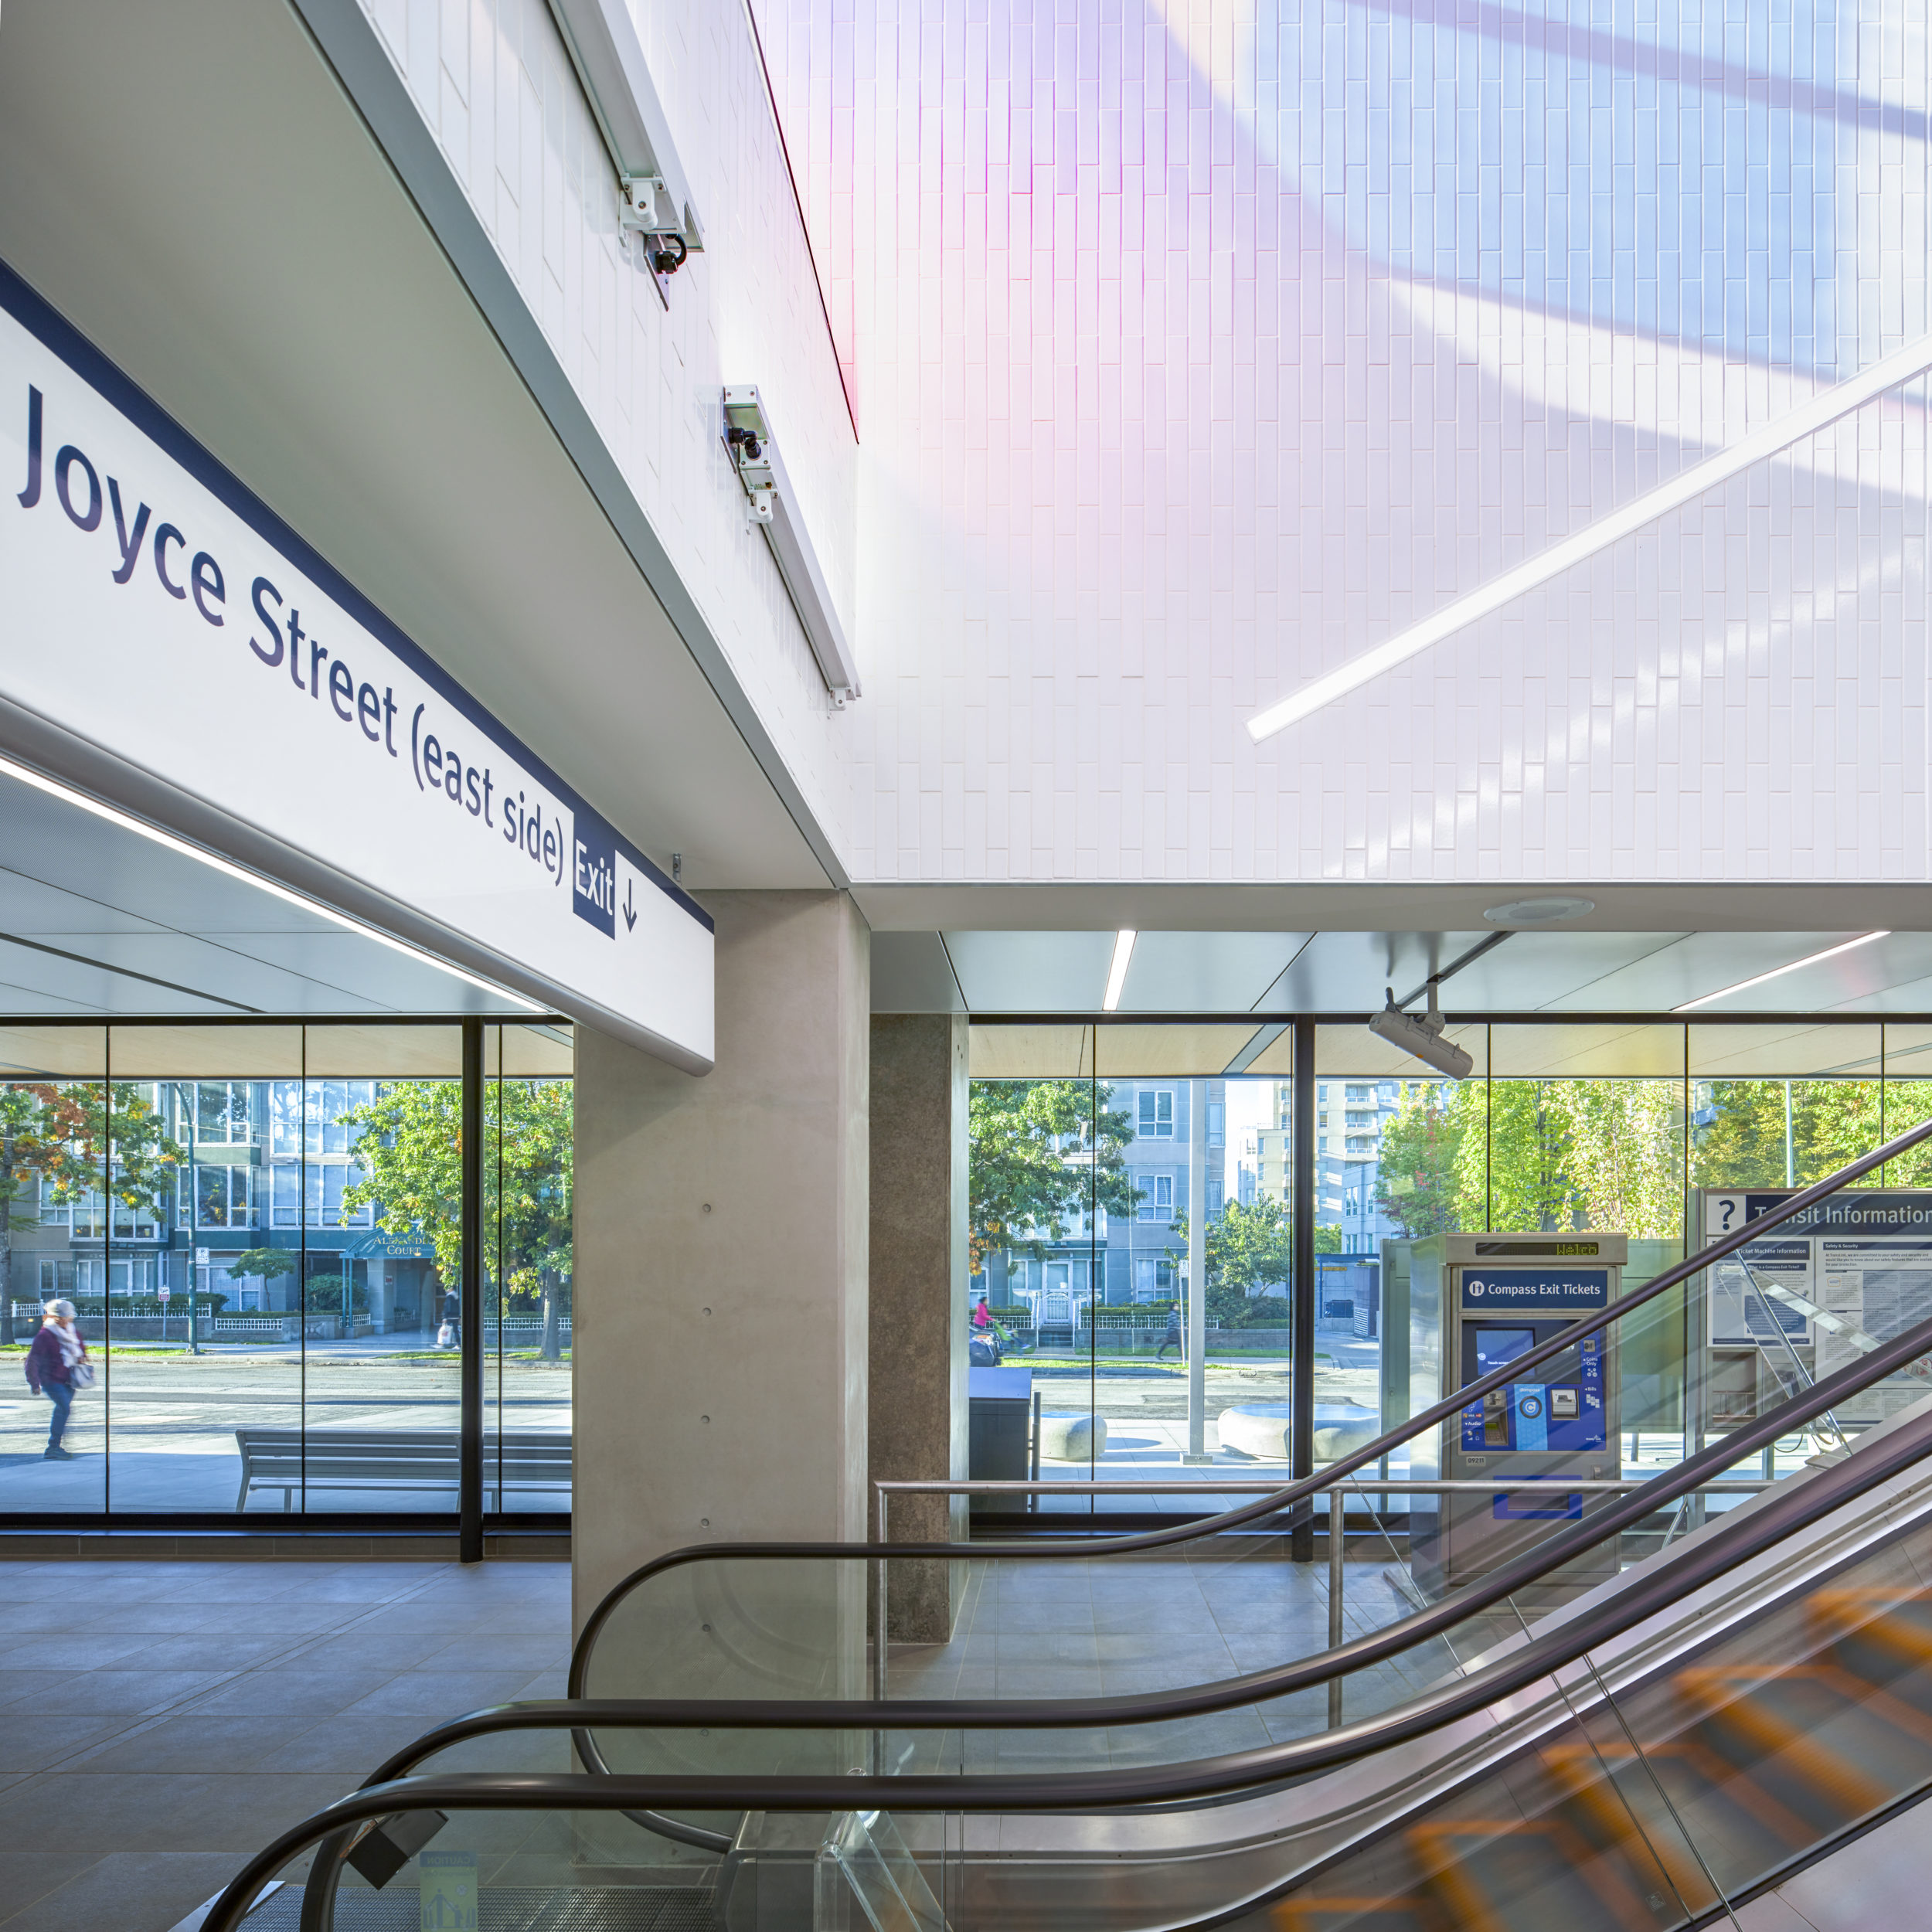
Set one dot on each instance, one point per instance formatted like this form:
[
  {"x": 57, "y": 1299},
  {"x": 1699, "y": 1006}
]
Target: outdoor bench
[{"x": 394, "y": 1459}]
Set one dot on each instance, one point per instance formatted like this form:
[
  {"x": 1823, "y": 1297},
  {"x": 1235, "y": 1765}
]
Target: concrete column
[
  {"x": 719, "y": 1347},
  {"x": 917, "y": 1403}
]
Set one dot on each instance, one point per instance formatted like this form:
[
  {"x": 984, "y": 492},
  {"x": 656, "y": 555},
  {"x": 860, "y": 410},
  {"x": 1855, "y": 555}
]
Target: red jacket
[{"x": 45, "y": 1362}]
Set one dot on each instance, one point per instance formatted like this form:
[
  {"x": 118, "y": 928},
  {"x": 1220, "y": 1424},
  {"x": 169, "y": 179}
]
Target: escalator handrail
[
  {"x": 1649, "y": 1589},
  {"x": 1197, "y": 1700},
  {"x": 1038, "y": 1549}
]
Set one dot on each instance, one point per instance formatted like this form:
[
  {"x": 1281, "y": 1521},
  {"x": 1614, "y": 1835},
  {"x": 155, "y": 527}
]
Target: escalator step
[
  {"x": 1902, "y": 1615},
  {"x": 510, "y": 1909},
  {"x": 1503, "y": 1875},
  {"x": 1846, "y": 1743}
]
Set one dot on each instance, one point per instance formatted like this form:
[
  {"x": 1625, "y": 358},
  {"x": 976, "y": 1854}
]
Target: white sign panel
[{"x": 156, "y": 608}]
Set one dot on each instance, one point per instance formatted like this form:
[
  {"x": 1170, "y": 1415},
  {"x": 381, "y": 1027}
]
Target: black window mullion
[{"x": 470, "y": 1441}]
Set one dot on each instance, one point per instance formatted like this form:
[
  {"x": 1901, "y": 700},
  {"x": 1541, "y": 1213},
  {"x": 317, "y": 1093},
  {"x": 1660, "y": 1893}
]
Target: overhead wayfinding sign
[{"x": 159, "y": 612}]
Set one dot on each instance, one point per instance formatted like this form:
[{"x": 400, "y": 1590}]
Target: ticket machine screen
[
  {"x": 1561, "y": 1411},
  {"x": 1495, "y": 1346}
]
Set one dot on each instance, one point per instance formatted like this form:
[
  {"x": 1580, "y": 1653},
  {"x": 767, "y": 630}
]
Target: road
[{"x": 169, "y": 1419}]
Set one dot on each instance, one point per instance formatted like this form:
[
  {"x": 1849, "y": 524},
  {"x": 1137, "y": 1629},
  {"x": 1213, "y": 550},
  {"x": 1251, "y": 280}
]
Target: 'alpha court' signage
[{"x": 151, "y": 607}]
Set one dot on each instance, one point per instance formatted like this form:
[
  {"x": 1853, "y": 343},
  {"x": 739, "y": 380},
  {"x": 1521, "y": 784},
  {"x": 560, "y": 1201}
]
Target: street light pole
[{"x": 1196, "y": 1272}]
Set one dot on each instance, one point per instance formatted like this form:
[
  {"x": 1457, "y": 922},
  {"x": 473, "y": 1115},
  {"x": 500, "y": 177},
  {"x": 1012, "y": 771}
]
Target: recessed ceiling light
[
  {"x": 1778, "y": 972},
  {"x": 1538, "y": 912}
]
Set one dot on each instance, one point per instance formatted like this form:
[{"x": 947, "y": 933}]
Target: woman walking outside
[{"x": 57, "y": 1365}]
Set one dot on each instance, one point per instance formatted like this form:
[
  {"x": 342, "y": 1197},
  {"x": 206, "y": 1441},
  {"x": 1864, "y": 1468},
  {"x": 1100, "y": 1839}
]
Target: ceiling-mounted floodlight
[
  {"x": 1116, "y": 973},
  {"x": 1422, "y": 1037},
  {"x": 771, "y": 503},
  {"x": 654, "y": 200}
]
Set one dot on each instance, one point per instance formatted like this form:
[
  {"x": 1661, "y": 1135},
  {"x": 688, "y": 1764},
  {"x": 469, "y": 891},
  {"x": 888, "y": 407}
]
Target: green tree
[
  {"x": 1564, "y": 1154},
  {"x": 1625, "y": 1153},
  {"x": 1042, "y": 1154},
  {"x": 1831, "y": 1122},
  {"x": 1416, "y": 1183},
  {"x": 1248, "y": 1249},
  {"x": 61, "y": 1133},
  {"x": 1529, "y": 1154},
  {"x": 269, "y": 1263},
  {"x": 409, "y": 1148}
]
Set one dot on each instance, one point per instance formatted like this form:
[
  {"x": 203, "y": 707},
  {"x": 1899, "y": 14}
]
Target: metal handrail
[
  {"x": 1041, "y": 1549},
  {"x": 1036, "y": 1550},
  {"x": 1790, "y": 1508},
  {"x": 1701, "y": 1471},
  {"x": 1341, "y": 1659},
  {"x": 1386, "y": 1485},
  {"x": 1640, "y": 1499}
]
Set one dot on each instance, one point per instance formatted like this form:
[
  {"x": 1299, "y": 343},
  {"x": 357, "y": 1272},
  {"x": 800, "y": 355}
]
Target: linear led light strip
[
  {"x": 1778, "y": 972},
  {"x": 1819, "y": 412},
  {"x": 1116, "y": 973},
  {"x": 128, "y": 822}
]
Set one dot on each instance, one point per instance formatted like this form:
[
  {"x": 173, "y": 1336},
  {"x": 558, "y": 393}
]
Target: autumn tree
[{"x": 61, "y": 1135}]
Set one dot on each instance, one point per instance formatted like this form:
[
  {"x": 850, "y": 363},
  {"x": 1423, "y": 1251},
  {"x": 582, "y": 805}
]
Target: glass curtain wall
[
  {"x": 1111, "y": 1166},
  {"x": 202, "y": 1318},
  {"x": 259, "y": 1228},
  {"x": 382, "y": 1260},
  {"x": 54, "y": 1222},
  {"x": 527, "y": 1119},
  {"x": 1402, "y": 1156},
  {"x": 1090, "y": 1144}
]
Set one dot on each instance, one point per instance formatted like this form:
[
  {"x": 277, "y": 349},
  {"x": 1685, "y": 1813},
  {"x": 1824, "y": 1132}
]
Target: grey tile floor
[
  {"x": 169, "y": 1719},
  {"x": 1160, "y": 1621}
]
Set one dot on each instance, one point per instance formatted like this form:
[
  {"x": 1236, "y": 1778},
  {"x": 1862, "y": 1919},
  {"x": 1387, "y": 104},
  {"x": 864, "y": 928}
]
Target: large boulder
[{"x": 1072, "y": 1438}]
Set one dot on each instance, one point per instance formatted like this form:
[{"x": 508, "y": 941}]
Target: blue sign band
[{"x": 1567, "y": 1290}]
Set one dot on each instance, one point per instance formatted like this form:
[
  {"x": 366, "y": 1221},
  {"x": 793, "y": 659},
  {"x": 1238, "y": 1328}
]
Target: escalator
[
  {"x": 1653, "y": 1792},
  {"x": 1744, "y": 1698},
  {"x": 1721, "y": 1771}
]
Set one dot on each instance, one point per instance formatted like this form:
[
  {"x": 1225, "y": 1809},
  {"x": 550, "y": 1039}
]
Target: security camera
[{"x": 1422, "y": 1037}]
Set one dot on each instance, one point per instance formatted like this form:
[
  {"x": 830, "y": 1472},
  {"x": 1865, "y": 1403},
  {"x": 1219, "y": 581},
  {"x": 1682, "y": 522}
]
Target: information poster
[
  {"x": 1872, "y": 1291},
  {"x": 1745, "y": 1309},
  {"x": 1826, "y": 1288}
]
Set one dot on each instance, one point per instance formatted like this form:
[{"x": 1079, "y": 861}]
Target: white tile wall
[
  {"x": 496, "y": 86},
  {"x": 1199, "y": 345}
]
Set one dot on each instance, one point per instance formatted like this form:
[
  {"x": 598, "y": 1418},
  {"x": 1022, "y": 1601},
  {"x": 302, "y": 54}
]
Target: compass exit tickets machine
[{"x": 1476, "y": 1302}]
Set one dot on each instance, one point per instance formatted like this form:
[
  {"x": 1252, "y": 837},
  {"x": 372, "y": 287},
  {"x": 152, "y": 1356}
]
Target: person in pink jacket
[{"x": 57, "y": 1349}]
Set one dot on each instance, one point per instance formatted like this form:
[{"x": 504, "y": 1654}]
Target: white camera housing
[{"x": 1422, "y": 1037}]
